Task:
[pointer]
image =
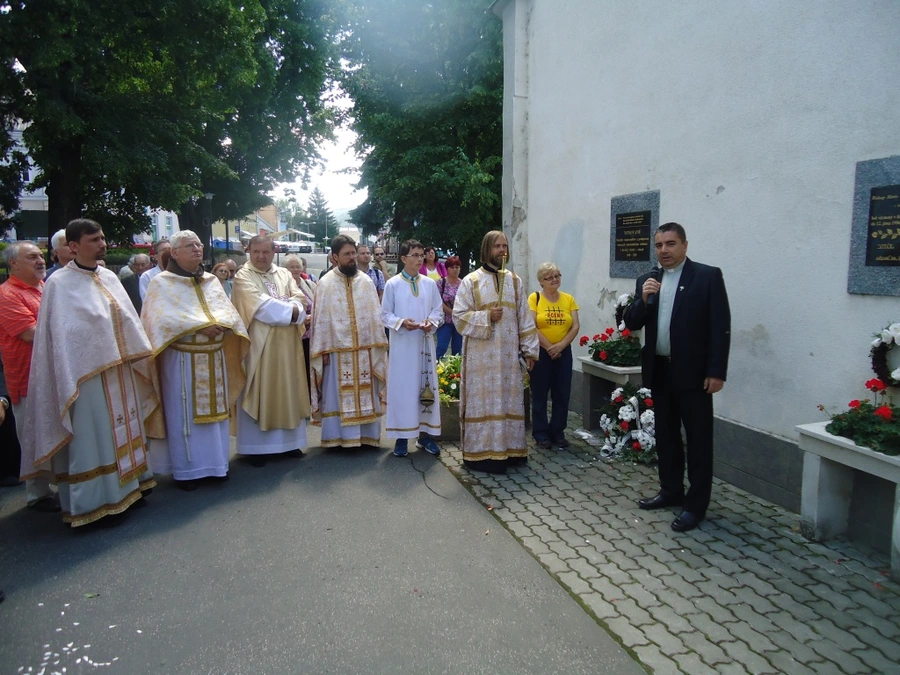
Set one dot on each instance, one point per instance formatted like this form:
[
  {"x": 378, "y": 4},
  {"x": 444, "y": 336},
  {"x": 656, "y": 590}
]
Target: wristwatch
[{"x": 5, "y": 402}]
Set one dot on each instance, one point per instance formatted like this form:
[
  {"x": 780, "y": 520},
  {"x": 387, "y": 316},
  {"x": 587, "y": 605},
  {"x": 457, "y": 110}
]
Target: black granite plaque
[
  {"x": 633, "y": 219},
  {"x": 633, "y": 236},
  {"x": 883, "y": 277},
  {"x": 883, "y": 237}
]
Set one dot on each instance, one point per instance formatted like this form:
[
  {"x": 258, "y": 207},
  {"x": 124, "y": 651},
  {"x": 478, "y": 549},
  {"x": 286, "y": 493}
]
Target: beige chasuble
[
  {"x": 275, "y": 362},
  {"x": 175, "y": 309}
]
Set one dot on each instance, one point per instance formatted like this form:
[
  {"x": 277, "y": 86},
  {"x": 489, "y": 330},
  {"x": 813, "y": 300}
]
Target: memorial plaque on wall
[
  {"x": 883, "y": 242},
  {"x": 632, "y": 220},
  {"x": 875, "y": 230},
  {"x": 633, "y": 236}
]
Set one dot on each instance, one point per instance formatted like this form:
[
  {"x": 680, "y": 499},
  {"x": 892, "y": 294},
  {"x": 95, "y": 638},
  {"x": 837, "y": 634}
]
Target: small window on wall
[{"x": 169, "y": 225}]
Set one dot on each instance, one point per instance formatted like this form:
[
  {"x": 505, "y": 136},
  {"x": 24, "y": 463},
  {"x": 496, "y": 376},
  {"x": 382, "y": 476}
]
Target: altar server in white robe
[
  {"x": 274, "y": 406},
  {"x": 89, "y": 388},
  {"x": 413, "y": 310},
  {"x": 199, "y": 343},
  {"x": 348, "y": 353}
]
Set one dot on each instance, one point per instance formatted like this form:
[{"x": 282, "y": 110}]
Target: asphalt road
[{"x": 340, "y": 562}]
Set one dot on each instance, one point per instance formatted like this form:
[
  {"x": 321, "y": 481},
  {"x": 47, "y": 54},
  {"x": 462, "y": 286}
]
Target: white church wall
[{"x": 749, "y": 119}]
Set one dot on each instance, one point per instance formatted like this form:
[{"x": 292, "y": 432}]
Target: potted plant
[
  {"x": 448, "y": 387},
  {"x": 874, "y": 424},
  {"x": 614, "y": 347},
  {"x": 870, "y": 424}
]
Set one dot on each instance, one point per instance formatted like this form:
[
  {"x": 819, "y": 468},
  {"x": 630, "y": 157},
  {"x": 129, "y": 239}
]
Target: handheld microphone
[{"x": 655, "y": 273}]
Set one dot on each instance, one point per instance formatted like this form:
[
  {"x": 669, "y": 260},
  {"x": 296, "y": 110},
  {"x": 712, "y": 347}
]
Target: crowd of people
[{"x": 113, "y": 379}]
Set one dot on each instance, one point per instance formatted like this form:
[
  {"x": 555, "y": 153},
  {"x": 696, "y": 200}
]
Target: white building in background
[
  {"x": 163, "y": 224},
  {"x": 748, "y": 119}
]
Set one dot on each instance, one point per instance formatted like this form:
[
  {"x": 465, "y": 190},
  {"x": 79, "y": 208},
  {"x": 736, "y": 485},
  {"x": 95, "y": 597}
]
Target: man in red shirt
[{"x": 20, "y": 298}]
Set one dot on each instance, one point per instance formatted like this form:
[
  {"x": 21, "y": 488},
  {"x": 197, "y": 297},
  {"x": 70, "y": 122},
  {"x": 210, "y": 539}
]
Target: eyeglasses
[
  {"x": 552, "y": 277},
  {"x": 379, "y": 255}
]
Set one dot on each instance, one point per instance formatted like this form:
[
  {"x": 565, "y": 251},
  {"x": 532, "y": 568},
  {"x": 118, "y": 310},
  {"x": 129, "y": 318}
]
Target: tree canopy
[
  {"x": 426, "y": 83},
  {"x": 151, "y": 103}
]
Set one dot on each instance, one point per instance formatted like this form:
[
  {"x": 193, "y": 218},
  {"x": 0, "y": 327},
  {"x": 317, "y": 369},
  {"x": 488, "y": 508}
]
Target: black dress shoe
[
  {"x": 10, "y": 481},
  {"x": 486, "y": 465},
  {"x": 686, "y": 521},
  {"x": 660, "y": 501},
  {"x": 257, "y": 460},
  {"x": 48, "y": 504},
  {"x": 187, "y": 485},
  {"x": 294, "y": 454}
]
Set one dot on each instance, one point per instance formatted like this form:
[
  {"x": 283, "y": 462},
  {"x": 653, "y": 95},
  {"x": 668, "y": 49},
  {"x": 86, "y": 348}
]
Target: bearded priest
[
  {"x": 348, "y": 353},
  {"x": 275, "y": 404},
  {"x": 199, "y": 343}
]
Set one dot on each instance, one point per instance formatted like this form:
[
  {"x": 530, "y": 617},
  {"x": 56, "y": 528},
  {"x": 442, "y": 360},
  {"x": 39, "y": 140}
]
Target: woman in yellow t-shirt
[{"x": 556, "y": 318}]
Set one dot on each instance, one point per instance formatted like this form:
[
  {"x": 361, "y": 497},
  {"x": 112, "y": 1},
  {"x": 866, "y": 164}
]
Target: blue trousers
[
  {"x": 447, "y": 335},
  {"x": 553, "y": 378}
]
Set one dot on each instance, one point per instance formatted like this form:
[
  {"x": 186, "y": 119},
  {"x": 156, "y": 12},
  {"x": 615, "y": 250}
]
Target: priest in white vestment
[
  {"x": 274, "y": 406},
  {"x": 89, "y": 388},
  {"x": 491, "y": 312},
  {"x": 412, "y": 309},
  {"x": 348, "y": 353},
  {"x": 199, "y": 343}
]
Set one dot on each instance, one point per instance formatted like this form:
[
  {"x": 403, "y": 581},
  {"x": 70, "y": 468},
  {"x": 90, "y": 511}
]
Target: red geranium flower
[
  {"x": 584, "y": 340},
  {"x": 610, "y": 331},
  {"x": 596, "y": 337},
  {"x": 875, "y": 385},
  {"x": 603, "y": 356},
  {"x": 884, "y": 413},
  {"x": 619, "y": 399},
  {"x": 648, "y": 402},
  {"x": 854, "y": 403},
  {"x": 636, "y": 446},
  {"x": 624, "y": 425},
  {"x": 626, "y": 332},
  {"x": 604, "y": 337}
]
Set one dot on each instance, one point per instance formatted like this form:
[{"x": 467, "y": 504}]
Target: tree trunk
[{"x": 63, "y": 188}]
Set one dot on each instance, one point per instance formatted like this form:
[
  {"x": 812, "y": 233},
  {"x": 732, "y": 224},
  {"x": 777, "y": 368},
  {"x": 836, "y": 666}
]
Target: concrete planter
[
  {"x": 450, "y": 421},
  {"x": 598, "y": 383},
  {"x": 829, "y": 465}
]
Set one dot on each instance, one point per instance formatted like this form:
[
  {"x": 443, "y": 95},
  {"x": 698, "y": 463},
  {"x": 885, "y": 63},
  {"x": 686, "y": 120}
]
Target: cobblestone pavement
[{"x": 744, "y": 593}]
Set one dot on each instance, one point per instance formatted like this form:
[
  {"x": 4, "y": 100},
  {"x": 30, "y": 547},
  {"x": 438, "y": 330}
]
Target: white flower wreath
[{"x": 632, "y": 432}]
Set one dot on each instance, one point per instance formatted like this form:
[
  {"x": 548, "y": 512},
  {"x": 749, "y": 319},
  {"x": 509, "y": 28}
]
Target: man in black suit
[{"x": 684, "y": 308}]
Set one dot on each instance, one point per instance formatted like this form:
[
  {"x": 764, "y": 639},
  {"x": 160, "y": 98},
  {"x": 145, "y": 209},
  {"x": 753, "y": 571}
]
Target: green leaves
[
  {"x": 148, "y": 103},
  {"x": 426, "y": 84}
]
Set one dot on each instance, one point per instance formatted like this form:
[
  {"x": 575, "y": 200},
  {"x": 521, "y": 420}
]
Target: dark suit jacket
[
  {"x": 700, "y": 329},
  {"x": 4, "y": 392},
  {"x": 131, "y": 287}
]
